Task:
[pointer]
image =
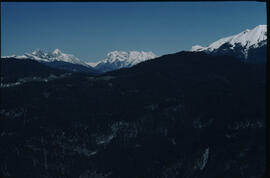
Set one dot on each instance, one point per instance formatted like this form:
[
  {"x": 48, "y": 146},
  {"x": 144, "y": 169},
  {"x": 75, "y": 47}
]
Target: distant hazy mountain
[
  {"x": 249, "y": 45},
  {"x": 120, "y": 59},
  {"x": 57, "y": 59}
]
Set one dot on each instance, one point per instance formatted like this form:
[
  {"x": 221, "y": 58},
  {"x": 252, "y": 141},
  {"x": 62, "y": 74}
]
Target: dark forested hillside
[
  {"x": 186, "y": 114},
  {"x": 72, "y": 67},
  {"x": 14, "y": 69}
]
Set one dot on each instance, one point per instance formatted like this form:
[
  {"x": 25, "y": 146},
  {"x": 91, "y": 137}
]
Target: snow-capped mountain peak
[
  {"x": 38, "y": 52},
  {"x": 120, "y": 59},
  {"x": 57, "y": 52},
  {"x": 55, "y": 55},
  {"x": 130, "y": 57},
  {"x": 247, "y": 39},
  {"x": 116, "y": 55}
]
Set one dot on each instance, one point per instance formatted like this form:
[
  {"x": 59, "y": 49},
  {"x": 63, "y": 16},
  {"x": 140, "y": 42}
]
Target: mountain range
[
  {"x": 115, "y": 60},
  {"x": 248, "y": 46}
]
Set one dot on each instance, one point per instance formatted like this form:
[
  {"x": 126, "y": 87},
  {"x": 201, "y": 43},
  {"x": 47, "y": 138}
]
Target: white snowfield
[
  {"x": 119, "y": 59},
  {"x": 247, "y": 39}
]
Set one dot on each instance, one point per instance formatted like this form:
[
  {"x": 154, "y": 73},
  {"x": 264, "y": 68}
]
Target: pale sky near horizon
[{"x": 89, "y": 30}]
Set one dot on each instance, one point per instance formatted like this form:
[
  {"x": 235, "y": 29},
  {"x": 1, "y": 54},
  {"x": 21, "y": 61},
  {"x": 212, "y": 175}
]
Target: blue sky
[{"x": 90, "y": 30}]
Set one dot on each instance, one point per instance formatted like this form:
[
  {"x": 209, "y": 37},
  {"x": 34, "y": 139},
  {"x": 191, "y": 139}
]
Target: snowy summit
[
  {"x": 247, "y": 39},
  {"x": 121, "y": 59},
  {"x": 53, "y": 56}
]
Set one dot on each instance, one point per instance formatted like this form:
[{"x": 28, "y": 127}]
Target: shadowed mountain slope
[{"x": 186, "y": 114}]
